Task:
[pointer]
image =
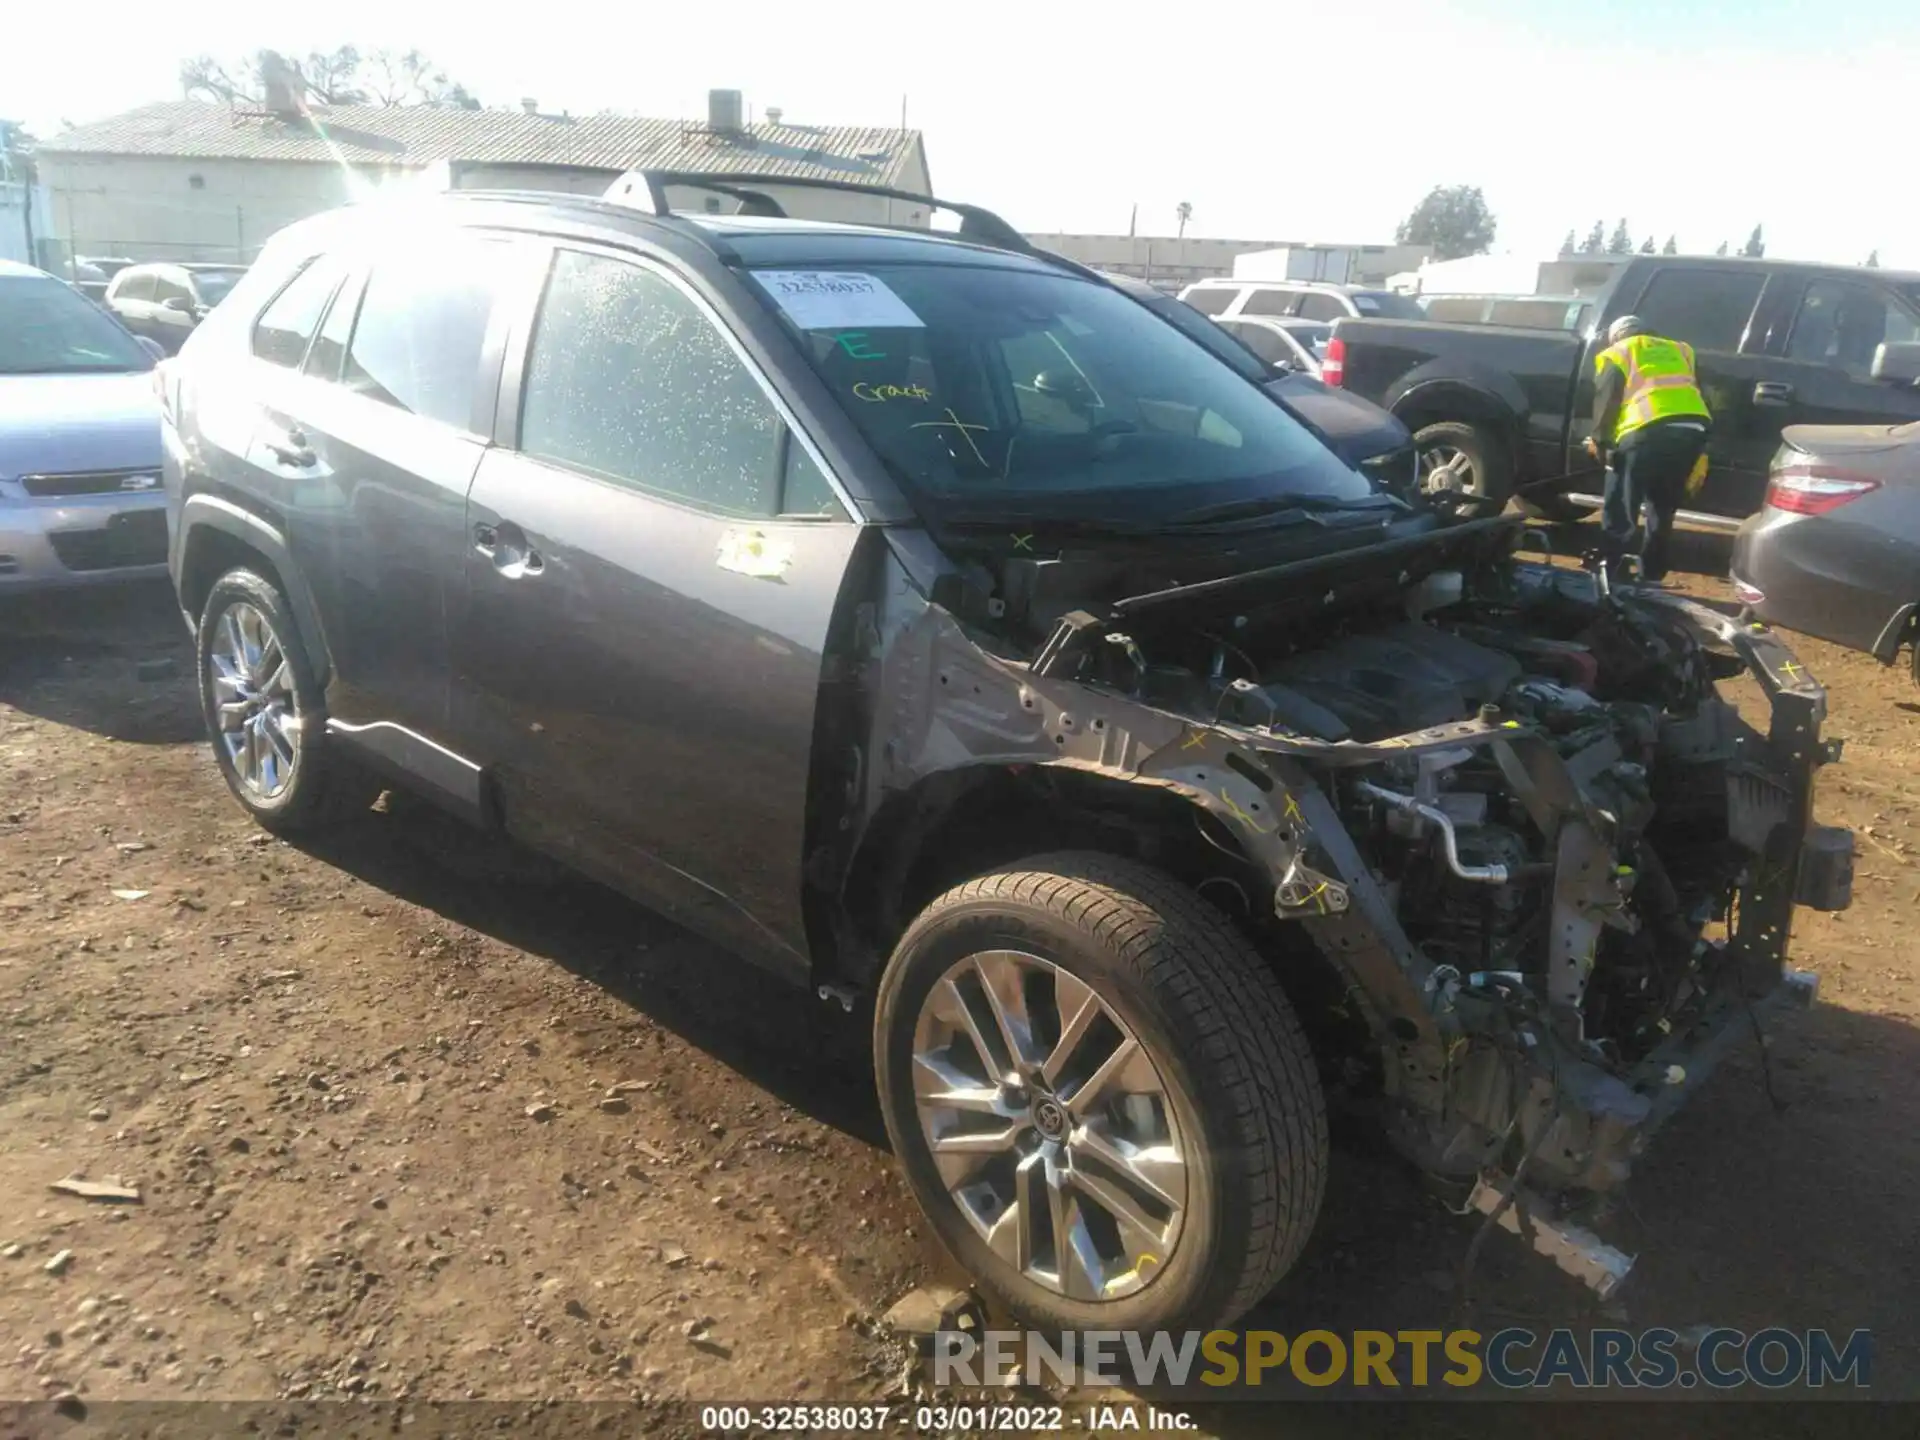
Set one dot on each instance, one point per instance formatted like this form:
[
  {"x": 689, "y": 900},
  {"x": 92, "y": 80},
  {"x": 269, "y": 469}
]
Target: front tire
[
  {"x": 265, "y": 713},
  {"x": 1100, "y": 1096}
]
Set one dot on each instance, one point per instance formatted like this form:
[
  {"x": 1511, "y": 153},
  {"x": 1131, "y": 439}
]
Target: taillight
[
  {"x": 1815, "y": 489},
  {"x": 1333, "y": 366}
]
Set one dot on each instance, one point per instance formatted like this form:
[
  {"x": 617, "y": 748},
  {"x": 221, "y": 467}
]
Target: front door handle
[
  {"x": 485, "y": 539},
  {"x": 293, "y": 448},
  {"x": 1772, "y": 392}
]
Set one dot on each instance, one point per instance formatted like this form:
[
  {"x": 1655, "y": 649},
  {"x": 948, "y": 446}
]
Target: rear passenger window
[
  {"x": 165, "y": 288},
  {"x": 422, "y": 324},
  {"x": 1210, "y": 302},
  {"x": 1708, "y": 309},
  {"x": 280, "y": 335},
  {"x": 1321, "y": 307},
  {"x": 1270, "y": 302},
  {"x": 1841, "y": 324},
  {"x": 629, "y": 380},
  {"x": 137, "y": 286}
]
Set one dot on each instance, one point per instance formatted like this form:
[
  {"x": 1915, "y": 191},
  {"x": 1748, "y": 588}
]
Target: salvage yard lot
[{"x": 413, "y": 1114}]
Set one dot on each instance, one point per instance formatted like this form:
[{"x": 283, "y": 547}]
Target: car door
[
  {"x": 172, "y": 316},
  {"x": 372, "y": 438},
  {"x": 1824, "y": 377},
  {"x": 652, "y": 572},
  {"x": 130, "y": 297},
  {"x": 1721, "y": 315}
]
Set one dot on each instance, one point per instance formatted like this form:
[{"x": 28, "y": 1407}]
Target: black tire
[
  {"x": 323, "y": 785},
  {"x": 1488, "y": 460},
  {"x": 1238, "y": 1073}
]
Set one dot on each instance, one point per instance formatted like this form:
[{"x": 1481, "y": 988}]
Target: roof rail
[{"x": 976, "y": 223}]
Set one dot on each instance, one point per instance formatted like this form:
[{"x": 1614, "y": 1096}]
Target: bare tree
[
  {"x": 1183, "y": 212},
  {"x": 407, "y": 77},
  {"x": 342, "y": 76}
]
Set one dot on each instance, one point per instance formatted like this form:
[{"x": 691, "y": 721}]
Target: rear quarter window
[{"x": 1213, "y": 301}]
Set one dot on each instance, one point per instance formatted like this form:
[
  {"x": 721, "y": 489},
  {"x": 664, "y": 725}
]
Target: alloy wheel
[
  {"x": 1050, "y": 1125},
  {"x": 256, "y": 715}
]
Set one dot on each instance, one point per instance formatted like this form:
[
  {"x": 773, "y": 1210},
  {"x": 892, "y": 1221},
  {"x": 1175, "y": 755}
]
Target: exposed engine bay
[{"x": 1554, "y": 869}]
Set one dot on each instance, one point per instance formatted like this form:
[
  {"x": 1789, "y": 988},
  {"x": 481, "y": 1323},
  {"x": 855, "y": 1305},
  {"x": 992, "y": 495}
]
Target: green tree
[
  {"x": 1566, "y": 245},
  {"x": 1873, "y": 260},
  {"x": 1620, "y": 242},
  {"x": 1453, "y": 219},
  {"x": 1755, "y": 246},
  {"x": 1723, "y": 248},
  {"x": 1670, "y": 248},
  {"x": 1646, "y": 246},
  {"x": 1596, "y": 241}
]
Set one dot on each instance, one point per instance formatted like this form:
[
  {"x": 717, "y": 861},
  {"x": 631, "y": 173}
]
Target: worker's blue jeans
[{"x": 1650, "y": 470}]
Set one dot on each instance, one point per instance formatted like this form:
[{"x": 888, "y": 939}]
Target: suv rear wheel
[
  {"x": 264, "y": 711},
  {"x": 1100, "y": 1096}
]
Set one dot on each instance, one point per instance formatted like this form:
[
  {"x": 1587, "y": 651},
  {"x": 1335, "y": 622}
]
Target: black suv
[{"x": 928, "y": 620}]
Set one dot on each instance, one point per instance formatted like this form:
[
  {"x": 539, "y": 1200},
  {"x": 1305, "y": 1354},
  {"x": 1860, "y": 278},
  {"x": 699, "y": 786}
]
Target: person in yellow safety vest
[{"x": 1650, "y": 424}]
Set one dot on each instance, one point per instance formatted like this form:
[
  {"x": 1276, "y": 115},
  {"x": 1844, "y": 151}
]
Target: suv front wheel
[
  {"x": 264, "y": 711},
  {"x": 1100, "y": 1096}
]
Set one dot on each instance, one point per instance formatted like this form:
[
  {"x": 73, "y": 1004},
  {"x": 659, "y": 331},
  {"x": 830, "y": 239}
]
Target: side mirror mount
[
  {"x": 1283, "y": 367},
  {"x": 152, "y": 347},
  {"x": 1897, "y": 362}
]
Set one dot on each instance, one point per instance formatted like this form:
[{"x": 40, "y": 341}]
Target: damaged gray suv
[{"x": 928, "y": 620}]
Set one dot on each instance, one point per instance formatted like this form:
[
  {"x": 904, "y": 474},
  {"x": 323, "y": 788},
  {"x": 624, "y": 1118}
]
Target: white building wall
[
  {"x": 144, "y": 208},
  {"x": 179, "y": 208}
]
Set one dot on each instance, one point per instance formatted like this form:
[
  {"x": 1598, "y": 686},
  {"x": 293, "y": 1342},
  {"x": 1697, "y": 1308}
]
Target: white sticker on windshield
[{"x": 837, "y": 300}]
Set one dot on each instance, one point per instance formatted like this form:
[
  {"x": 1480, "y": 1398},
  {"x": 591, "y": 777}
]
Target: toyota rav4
[{"x": 926, "y": 619}]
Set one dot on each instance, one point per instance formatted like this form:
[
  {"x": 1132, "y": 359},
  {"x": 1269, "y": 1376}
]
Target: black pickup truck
[{"x": 1778, "y": 344}]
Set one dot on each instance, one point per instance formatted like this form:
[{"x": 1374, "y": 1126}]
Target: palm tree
[{"x": 1184, "y": 212}]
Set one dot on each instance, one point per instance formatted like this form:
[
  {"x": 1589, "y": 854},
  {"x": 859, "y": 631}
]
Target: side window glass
[
  {"x": 804, "y": 489},
  {"x": 1708, "y": 309},
  {"x": 1841, "y": 324},
  {"x": 1321, "y": 307},
  {"x": 1263, "y": 342},
  {"x": 629, "y": 380},
  {"x": 330, "y": 345},
  {"x": 166, "y": 288},
  {"x": 1211, "y": 301},
  {"x": 138, "y": 286},
  {"x": 280, "y": 335},
  {"x": 422, "y": 324},
  {"x": 1270, "y": 302}
]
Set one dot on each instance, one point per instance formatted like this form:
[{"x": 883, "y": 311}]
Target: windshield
[
  {"x": 1387, "y": 305},
  {"x": 213, "y": 285},
  {"x": 48, "y": 329},
  {"x": 989, "y": 390}
]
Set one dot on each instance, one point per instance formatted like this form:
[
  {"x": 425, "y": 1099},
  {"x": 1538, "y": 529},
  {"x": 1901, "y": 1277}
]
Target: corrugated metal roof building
[{"x": 194, "y": 181}]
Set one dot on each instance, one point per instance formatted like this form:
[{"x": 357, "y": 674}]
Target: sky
[{"x": 1274, "y": 120}]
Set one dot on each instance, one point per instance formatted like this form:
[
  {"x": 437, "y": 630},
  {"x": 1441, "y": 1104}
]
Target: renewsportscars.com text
[{"x": 1511, "y": 1359}]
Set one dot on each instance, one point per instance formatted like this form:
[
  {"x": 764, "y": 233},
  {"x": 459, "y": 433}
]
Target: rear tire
[
  {"x": 1477, "y": 451},
  {"x": 265, "y": 712},
  {"x": 1226, "y": 1109}
]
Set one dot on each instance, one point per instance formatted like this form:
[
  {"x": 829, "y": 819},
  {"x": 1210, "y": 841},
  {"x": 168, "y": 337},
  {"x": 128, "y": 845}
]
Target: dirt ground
[{"x": 362, "y": 1086}]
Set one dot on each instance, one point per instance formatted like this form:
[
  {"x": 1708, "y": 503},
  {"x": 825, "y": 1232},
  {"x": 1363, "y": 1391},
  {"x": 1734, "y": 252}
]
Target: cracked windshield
[{"x": 707, "y": 731}]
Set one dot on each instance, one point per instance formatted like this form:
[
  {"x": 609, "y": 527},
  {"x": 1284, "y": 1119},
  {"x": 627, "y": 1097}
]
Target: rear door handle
[
  {"x": 508, "y": 548},
  {"x": 1772, "y": 392}
]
